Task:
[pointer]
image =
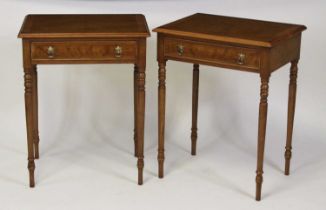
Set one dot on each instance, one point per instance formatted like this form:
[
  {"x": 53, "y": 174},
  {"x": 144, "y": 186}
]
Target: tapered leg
[
  {"x": 140, "y": 121},
  {"x": 161, "y": 117},
  {"x": 29, "y": 78},
  {"x": 291, "y": 110},
  {"x": 261, "y": 134},
  {"x": 135, "y": 109},
  {"x": 195, "y": 84},
  {"x": 35, "y": 112}
]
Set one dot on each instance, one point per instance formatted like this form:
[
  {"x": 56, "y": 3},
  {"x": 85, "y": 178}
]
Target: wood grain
[
  {"x": 84, "y": 51},
  {"x": 84, "y": 25},
  {"x": 214, "y": 54},
  {"x": 231, "y": 29}
]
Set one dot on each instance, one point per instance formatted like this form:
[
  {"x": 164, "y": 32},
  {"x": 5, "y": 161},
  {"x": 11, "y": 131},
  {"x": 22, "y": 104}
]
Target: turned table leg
[
  {"x": 29, "y": 84},
  {"x": 195, "y": 84},
  {"x": 135, "y": 109},
  {"x": 140, "y": 122},
  {"x": 261, "y": 133},
  {"x": 35, "y": 112},
  {"x": 291, "y": 110},
  {"x": 140, "y": 109},
  {"x": 161, "y": 117}
]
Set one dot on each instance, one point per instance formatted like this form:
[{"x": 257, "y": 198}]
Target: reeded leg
[
  {"x": 195, "y": 84},
  {"x": 35, "y": 113},
  {"x": 161, "y": 117},
  {"x": 135, "y": 109},
  {"x": 29, "y": 86},
  {"x": 261, "y": 134},
  {"x": 140, "y": 122},
  {"x": 291, "y": 110}
]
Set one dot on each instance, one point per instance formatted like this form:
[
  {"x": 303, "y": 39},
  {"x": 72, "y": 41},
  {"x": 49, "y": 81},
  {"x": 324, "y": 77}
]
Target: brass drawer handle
[
  {"x": 118, "y": 51},
  {"x": 241, "y": 58},
  {"x": 51, "y": 52},
  {"x": 180, "y": 49}
]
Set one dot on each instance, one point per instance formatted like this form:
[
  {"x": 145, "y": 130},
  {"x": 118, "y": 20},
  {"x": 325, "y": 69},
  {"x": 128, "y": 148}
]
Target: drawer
[
  {"x": 212, "y": 54},
  {"x": 84, "y": 51}
]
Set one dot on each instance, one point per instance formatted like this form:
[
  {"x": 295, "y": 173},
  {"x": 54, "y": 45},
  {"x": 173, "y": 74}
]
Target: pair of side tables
[{"x": 232, "y": 43}]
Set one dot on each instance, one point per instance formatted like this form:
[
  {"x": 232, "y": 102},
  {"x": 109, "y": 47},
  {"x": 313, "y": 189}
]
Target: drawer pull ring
[
  {"x": 51, "y": 52},
  {"x": 180, "y": 49},
  {"x": 241, "y": 58},
  {"x": 118, "y": 51}
]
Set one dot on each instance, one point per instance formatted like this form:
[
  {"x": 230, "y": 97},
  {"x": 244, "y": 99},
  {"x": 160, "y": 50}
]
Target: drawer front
[
  {"x": 214, "y": 54},
  {"x": 114, "y": 51}
]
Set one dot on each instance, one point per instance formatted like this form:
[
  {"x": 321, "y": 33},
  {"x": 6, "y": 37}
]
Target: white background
[{"x": 86, "y": 121}]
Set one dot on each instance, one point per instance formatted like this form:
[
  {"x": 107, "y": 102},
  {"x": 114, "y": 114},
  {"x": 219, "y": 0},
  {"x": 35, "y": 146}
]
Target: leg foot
[
  {"x": 259, "y": 182},
  {"x": 31, "y": 169},
  {"x": 140, "y": 165},
  {"x": 161, "y": 167}
]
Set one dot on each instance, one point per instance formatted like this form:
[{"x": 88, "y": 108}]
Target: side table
[
  {"x": 83, "y": 39},
  {"x": 233, "y": 43}
]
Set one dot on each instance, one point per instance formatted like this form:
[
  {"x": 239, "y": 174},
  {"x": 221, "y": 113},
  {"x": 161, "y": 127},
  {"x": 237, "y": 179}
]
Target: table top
[
  {"x": 231, "y": 29},
  {"x": 84, "y": 25}
]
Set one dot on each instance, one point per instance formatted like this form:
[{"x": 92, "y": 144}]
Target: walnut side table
[
  {"x": 83, "y": 39},
  {"x": 234, "y": 43}
]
